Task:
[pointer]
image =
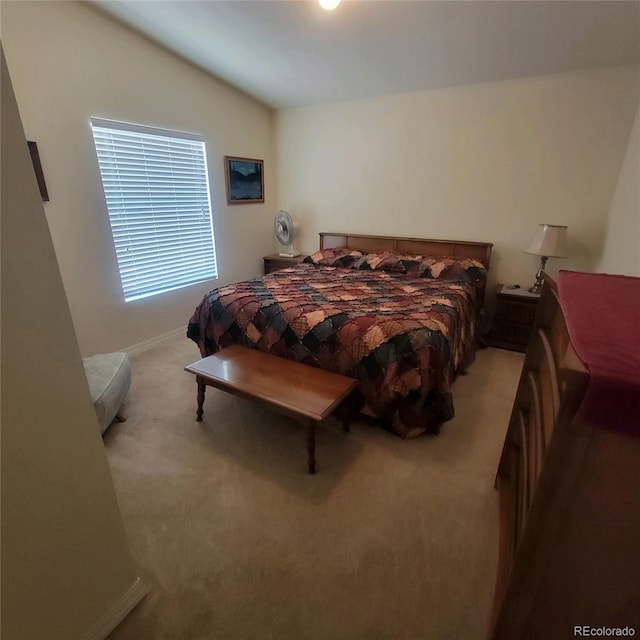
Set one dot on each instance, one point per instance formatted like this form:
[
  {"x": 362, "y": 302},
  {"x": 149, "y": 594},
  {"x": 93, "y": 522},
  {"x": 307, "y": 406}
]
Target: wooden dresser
[{"x": 569, "y": 553}]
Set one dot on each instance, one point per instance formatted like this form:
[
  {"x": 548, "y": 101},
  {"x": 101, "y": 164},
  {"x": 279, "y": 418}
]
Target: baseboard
[
  {"x": 154, "y": 342},
  {"x": 118, "y": 612}
]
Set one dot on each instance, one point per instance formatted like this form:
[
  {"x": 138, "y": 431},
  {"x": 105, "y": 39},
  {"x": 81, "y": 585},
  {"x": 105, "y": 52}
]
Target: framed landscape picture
[{"x": 245, "y": 180}]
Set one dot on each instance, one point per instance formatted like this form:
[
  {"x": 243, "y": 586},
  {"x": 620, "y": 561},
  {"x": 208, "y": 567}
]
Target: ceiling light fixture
[{"x": 329, "y": 5}]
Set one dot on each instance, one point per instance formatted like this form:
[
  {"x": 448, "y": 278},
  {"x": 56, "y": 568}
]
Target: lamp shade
[{"x": 550, "y": 240}]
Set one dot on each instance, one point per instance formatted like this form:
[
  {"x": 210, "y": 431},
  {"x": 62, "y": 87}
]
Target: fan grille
[{"x": 283, "y": 225}]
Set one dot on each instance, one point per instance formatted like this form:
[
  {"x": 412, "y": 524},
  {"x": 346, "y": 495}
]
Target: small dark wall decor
[
  {"x": 245, "y": 180},
  {"x": 37, "y": 167}
]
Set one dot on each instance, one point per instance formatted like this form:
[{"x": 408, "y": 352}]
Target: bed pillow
[
  {"x": 453, "y": 268},
  {"x": 334, "y": 257},
  {"x": 416, "y": 266},
  {"x": 388, "y": 261}
]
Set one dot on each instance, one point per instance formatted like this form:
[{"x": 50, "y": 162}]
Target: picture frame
[
  {"x": 244, "y": 179},
  {"x": 37, "y": 168}
]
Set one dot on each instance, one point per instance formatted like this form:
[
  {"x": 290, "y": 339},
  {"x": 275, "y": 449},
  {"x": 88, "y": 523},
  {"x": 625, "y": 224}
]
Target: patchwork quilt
[{"x": 405, "y": 339}]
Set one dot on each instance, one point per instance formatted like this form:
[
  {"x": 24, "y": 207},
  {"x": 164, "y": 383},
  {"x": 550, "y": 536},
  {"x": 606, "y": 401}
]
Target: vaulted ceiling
[{"x": 292, "y": 53}]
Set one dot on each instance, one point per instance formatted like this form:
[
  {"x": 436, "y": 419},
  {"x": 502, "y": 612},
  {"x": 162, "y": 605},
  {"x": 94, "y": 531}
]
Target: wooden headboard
[{"x": 420, "y": 246}]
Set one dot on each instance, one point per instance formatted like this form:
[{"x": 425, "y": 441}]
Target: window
[{"x": 157, "y": 192}]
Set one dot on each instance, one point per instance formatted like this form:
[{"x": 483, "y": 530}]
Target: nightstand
[
  {"x": 276, "y": 262},
  {"x": 513, "y": 320}
]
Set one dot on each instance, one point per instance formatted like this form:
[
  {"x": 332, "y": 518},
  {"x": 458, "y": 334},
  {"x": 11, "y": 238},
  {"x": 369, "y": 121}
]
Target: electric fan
[{"x": 285, "y": 229}]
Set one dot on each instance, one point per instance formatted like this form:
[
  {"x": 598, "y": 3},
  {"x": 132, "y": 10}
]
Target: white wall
[
  {"x": 65, "y": 558},
  {"x": 69, "y": 62},
  {"x": 485, "y": 162},
  {"x": 621, "y": 251}
]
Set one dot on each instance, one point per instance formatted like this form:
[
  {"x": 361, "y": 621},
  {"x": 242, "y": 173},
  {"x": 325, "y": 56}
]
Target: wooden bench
[{"x": 294, "y": 389}]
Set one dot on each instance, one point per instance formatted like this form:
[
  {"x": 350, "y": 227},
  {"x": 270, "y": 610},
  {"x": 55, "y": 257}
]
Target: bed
[{"x": 397, "y": 314}]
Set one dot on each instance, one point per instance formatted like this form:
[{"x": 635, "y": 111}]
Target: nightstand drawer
[
  {"x": 521, "y": 312},
  {"x": 517, "y": 334},
  {"x": 276, "y": 262}
]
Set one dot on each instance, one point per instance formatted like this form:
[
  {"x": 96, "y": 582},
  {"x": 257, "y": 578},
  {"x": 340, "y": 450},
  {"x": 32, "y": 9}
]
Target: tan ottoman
[{"x": 109, "y": 377}]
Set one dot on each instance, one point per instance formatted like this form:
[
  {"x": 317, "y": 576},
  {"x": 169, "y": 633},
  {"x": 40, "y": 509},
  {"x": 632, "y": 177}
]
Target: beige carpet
[{"x": 391, "y": 540}]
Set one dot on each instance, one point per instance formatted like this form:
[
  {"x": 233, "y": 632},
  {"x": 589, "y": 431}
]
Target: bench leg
[
  {"x": 349, "y": 408},
  {"x": 311, "y": 446},
  {"x": 201, "y": 389},
  {"x": 342, "y": 412}
]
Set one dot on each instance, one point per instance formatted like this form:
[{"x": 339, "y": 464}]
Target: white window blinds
[{"x": 157, "y": 192}]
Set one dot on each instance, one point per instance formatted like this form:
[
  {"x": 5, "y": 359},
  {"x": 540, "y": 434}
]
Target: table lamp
[{"x": 550, "y": 241}]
